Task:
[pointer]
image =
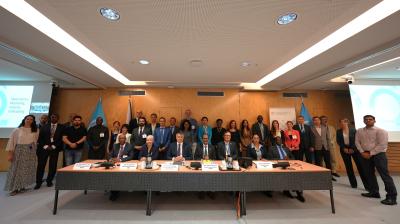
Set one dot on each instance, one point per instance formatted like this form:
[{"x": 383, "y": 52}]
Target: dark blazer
[
  {"x": 45, "y": 137},
  {"x": 128, "y": 152},
  {"x": 352, "y": 139},
  {"x": 251, "y": 152},
  {"x": 217, "y": 136},
  {"x": 137, "y": 140},
  {"x": 173, "y": 133},
  {"x": 222, "y": 151},
  {"x": 272, "y": 139},
  {"x": 166, "y": 138},
  {"x": 144, "y": 151},
  {"x": 173, "y": 151},
  {"x": 198, "y": 154},
  {"x": 149, "y": 126},
  {"x": 255, "y": 129},
  {"x": 306, "y": 137},
  {"x": 133, "y": 124},
  {"x": 274, "y": 153}
]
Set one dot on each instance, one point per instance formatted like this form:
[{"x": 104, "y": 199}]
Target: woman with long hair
[
  {"x": 188, "y": 135},
  {"x": 21, "y": 148},
  {"x": 276, "y": 132},
  {"x": 245, "y": 137},
  {"x": 235, "y": 135}
]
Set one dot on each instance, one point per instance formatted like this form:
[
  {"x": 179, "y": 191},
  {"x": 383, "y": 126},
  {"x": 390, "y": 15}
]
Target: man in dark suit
[
  {"x": 204, "y": 150},
  {"x": 49, "y": 145},
  {"x": 153, "y": 123},
  {"x": 261, "y": 129},
  {"x": 173, "y": 128},
  {"x": 306, "y": 139},
  {"x": 218, "y": 133},
  {"x": 138, "y": 138},
  {"x": 227, "y": 148},
  {"x": 121, "y": 152},
  {"x": 162, "y": 138},
  {"x": 280, "y": 152},
  {"x": 179, "y": 151},
  {"x": 134, "y": 123}
]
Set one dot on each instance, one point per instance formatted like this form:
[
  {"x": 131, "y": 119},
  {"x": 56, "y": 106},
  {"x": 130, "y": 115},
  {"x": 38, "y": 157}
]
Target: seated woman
[
  {"x": 149, "y": 148},
  {"x": 256, "y": 150}
]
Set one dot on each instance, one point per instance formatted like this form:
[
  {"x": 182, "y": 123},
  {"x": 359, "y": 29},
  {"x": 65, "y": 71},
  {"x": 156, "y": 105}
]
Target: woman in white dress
[{"x": 21, "y": 148}]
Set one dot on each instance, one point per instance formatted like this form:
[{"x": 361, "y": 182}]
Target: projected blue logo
[{"x": 3, "y": 102}]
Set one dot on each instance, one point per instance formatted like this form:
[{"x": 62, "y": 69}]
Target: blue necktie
[
  {"x": 162, "y": 135},
  {"x": 282, "y": 153}
]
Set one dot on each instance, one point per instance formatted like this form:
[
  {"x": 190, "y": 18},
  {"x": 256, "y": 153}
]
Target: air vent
[
  {"x": 295, "y": 95},
  {"x": 202, "y": 93},
  {"x": 132, "y": 93}
]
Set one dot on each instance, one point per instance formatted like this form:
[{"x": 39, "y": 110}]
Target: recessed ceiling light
[
  {"x": 196, "y": 63},
  {"x": 110, "y": 14},
  {"x": 287, "y": 18},
  {"x": 245, "y": 64},
  {"x": 144, "y": 62}
]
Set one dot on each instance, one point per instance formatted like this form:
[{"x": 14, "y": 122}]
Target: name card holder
[
  {"x": 82, "y": 166},
  {"x": 169, "y": 167},
  {"x": 128, "y": 166},
  {"x": 263, "y": 165},
  {"x": 209, "y": 167}
]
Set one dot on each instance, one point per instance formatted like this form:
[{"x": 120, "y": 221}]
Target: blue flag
[
  {"x": 305, "y": 114},
  {"x": 98, "y": 112}
]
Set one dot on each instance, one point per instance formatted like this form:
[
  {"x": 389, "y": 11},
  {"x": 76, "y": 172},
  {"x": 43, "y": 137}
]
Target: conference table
[{"x": 298, "y": 176}]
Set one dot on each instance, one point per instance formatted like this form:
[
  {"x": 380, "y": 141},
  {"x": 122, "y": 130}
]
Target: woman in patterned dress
[{"x": 21, "y": 150}]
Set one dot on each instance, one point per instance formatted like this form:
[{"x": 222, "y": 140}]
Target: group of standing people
[{"x": 30, "y": 147}]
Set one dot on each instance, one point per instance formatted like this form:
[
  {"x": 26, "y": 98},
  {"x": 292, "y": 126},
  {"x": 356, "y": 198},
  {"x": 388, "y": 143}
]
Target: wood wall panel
[{"x": 173, "y": 102}]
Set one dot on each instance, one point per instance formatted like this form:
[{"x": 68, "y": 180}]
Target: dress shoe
[
  {"x": 211, "y": 195},
  {"x": 389, "y": 201},
  {"x": 49, "y": 184},
  {"x": 202, "y": 195},
  {"x": 333, "y": 179},
  {"x": 300, "y": 196},
  {"x": 37, "y": 186},
  {"x": 268, "y": 194},
  {"x": 288, "y": 194},
  {"x": 335, "y": 174},
  {"x": 371, "y": 195},
  {"x": 114, "y": 195}
]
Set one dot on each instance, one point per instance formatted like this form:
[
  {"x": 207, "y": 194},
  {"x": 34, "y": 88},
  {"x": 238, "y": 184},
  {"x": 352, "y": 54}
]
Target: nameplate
[
  {"x": 128, "y": 166},
  {"x": 209, "y": 167},
  {"x": 169, "y": 167},
  {"x": 263, "y": 165},
  {"x": 82, "y": 166}
]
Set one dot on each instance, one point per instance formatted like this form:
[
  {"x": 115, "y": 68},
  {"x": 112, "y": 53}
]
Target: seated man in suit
[
  {"x": 227, "y": 148},
  {"x": 121, "y": 152},
  {"x": 179, "y": 151},
  {"x": 149, "y": 148},
  {"x": 204, "y": 150},
  {"x": 139, "y": 135},
  {"x": 280, "y": 152},
  {"x": 162, "y": 138}
]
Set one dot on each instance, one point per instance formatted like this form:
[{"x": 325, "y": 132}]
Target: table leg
[
  {"x": 55, "y": 203},
  {"x": 244, "y": 203},
  {"x": 85, "y": 192},
  {"x": 148, "y": 203},
  {"x": 332, "y": 202}
]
